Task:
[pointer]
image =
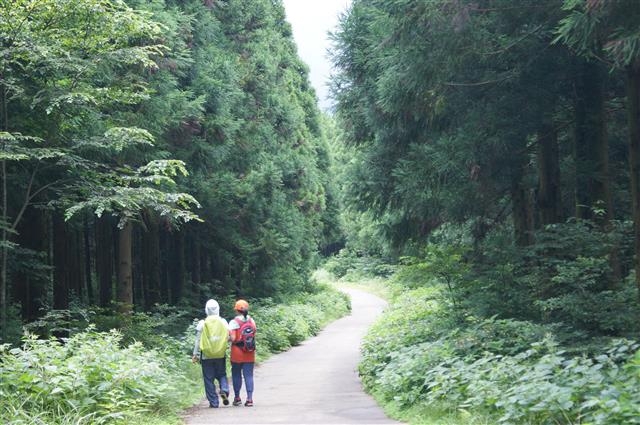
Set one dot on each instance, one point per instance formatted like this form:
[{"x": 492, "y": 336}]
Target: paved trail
[{"x": 314, "y": 383}]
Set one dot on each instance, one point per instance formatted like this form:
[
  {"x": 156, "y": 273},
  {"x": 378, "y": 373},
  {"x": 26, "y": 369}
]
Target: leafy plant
[{"x": 91, "y": 375}]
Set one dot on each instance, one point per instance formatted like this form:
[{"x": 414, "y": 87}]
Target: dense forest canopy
[
  {"x": 155, "y": 152},
  {"x": 508, "y": 130}
]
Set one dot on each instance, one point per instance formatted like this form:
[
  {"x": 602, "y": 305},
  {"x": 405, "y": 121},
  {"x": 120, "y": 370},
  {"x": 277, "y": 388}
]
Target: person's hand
[{"x": 195, "y": 359}]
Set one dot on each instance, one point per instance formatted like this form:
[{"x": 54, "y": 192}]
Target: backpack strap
[{"x": 237, "y": 341}]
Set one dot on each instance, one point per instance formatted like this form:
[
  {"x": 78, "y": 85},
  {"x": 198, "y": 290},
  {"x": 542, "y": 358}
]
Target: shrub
[
  {"x": 350, "y": 264},
  {"x": 272, "y": 332},
  {"x": 498, "y": 336},
  {"x": 152, "y": 329},
  {"x": 89, "y": 376},
  {"x": 499, "y": 367},
  {"x": 296, "y": 318},
  {"x": 410, "y": 320}
]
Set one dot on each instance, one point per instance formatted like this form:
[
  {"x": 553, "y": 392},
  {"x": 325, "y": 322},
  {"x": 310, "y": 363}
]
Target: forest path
[{"x": 314, "y": 383}]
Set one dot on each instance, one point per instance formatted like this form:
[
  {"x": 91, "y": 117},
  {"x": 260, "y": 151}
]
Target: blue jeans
[
  {"x": 238, "y": 370},
  {"x": 214, "y": 369}
]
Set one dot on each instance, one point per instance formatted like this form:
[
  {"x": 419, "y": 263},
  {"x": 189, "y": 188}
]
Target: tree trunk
[
  {"x": 591, "y": 147},
  {"x": 521, "y": 209},
  {"x": 151, "y": 262},
  {"x": 104, "y": 260},
  {"x": 5, "y": 252},
  {"x": 87, "y": 260},
  {"x": 205, "y": 265},
  {"x": 4, "y": 249},
  {"x": 165, "y": 254},
  {"x": 633, "y": 98},
  {"x": 29, "y": 288},
  {"x": 74, "y": 263},
  {"x": 60, "y": 263},
  {"x": 137, "y": 271},
  {"x": 125, "y": 270},
  {"x": 196, "y": 268},
  {"x": 177, "y": 267},
  {"x": 594, "y": 199},
  {"x": 548, "y": 199}
]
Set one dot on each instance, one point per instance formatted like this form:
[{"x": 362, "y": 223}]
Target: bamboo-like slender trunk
[{"x": 591, "y": 147}]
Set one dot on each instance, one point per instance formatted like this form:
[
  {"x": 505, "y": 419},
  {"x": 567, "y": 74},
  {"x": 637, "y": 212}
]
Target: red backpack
[{"x": 247, "y": 332}]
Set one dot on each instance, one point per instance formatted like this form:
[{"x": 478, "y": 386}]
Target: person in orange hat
[{"x": 242, "y": 332}]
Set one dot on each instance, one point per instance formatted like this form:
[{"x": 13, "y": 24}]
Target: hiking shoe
[
  {"x": 248, "y": 403},
  {"x": 225, "y": 397},
  {"x": 237, "y": 401},
  {"x": 211, "y": 406}
]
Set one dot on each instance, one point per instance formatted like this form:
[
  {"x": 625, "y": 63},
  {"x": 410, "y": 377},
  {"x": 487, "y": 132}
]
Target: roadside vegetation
[
  {"x": 141, "y": 373},
  {"x": 434, "y": 357}
]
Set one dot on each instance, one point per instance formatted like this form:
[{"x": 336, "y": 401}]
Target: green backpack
[{"x": 213, "y": 341}]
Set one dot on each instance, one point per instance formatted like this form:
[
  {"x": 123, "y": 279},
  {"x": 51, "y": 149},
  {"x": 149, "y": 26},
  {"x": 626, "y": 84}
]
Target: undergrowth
[
  {"x": 444, "y": 367},
  {"x": 139, "y": 374}
]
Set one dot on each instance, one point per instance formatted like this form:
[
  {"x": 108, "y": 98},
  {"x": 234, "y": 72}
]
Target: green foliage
[
  {"x": 499, "y": 336},
  {"x": 415, "y": 312},
  {"x": 13, "y": 331},
  {"x": 466, "y": 174},
  {"x": 352, "y": 265},
  {"x": 256, "y": 151},
  {"x": 90, "y": 377},
  {"x": 273, "y": 331},
  {"x": 72, "y": 73},
  {"x": 163, "y": 326},
  {"x": 563, "y": 277},
  {"x": 595, "y": 27},
  {"x": 445, "y": 145},
  {"x": 297, "y": 317},
  {"x": 507, "y": 371},
  {"x": 107, "y": 105}
]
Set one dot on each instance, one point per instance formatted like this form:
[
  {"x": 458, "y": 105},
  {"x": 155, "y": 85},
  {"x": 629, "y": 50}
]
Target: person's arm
[
  {"x": 196, "y": 345},
  {"x": 233, "y": 327},
  {"x": 228, "y": 324}
]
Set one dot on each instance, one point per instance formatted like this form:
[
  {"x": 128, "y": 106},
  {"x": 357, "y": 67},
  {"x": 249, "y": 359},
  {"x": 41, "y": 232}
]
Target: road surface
[{"x": 314, "y": 383}]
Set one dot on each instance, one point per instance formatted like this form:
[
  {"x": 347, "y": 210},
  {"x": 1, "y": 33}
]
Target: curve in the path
[{"x": 314, "y": 383}]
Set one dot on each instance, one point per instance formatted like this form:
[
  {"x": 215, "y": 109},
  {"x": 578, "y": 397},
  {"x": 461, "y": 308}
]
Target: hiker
[
  {"x": 210, "y": 350},
  {"x": 242, "y": 330}
]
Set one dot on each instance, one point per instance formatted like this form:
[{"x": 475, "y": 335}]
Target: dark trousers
[
  {"x": 238, "y": 371},
  {"x": 214, "y": 369}
]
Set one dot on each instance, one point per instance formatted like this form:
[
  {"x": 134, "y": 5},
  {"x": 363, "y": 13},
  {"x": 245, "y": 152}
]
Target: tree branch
[
  {"x": 27, "y": 198},
  {"x": 479, "y": 83}
]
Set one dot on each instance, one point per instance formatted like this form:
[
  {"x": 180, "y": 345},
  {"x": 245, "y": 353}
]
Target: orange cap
[{"x": 241, "y": 305}]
